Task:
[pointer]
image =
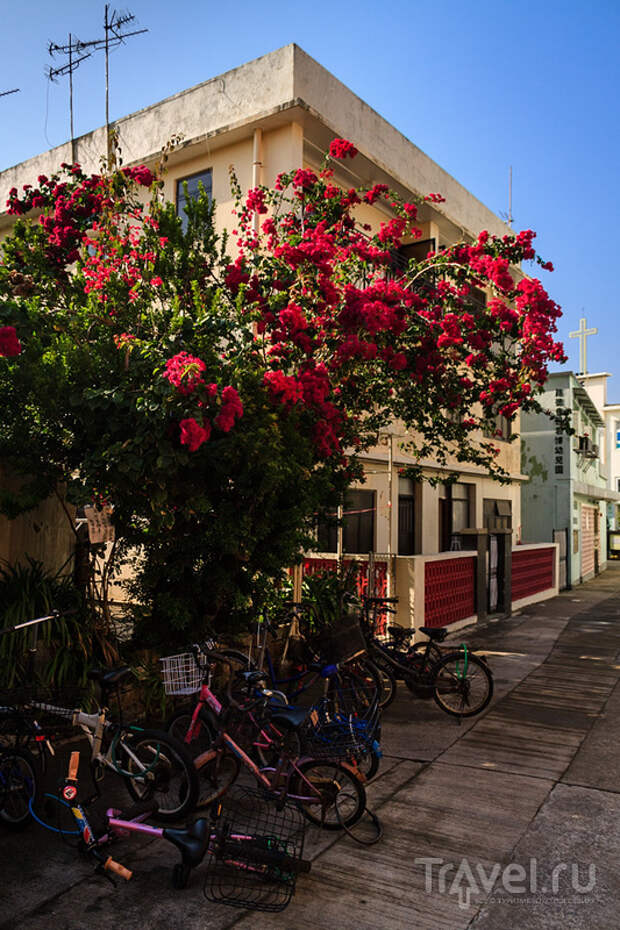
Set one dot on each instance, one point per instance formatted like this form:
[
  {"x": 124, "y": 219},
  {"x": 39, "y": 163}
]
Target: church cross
[{"x": 582, "y": 333}]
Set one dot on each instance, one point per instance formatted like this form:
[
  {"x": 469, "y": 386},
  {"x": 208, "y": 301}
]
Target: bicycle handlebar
[{"x": 55, "y": 614}]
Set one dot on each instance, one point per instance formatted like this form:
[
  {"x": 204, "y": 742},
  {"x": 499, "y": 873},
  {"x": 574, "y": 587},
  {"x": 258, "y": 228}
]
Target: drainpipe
[
  {"x": 257, "y": 168},
  {"x": 390, "y": 571}
]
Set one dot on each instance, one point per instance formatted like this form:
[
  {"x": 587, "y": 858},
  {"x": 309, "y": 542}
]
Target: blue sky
[{"x": 478, "y": 86}]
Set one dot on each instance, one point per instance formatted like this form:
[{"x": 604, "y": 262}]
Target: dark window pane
[
  {"x": 406, "y": 539},
  {"x": 193, "y": 189},
  {"x": 358, "y": 533}
]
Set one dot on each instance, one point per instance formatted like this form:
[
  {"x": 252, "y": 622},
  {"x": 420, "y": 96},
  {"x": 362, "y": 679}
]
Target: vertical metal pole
[
  {"x": 390, "y": 571},
  {"x": 106, "y": 27},
  {"x": 73, "y": 159}
]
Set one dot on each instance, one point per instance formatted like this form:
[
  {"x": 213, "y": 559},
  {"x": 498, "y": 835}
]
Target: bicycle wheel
[
  {"x": 340, "y": 796},
  {"x": 178, "y": 726},
  {"x": 387, "y": 681},
  {"x": 216, "y": 776},
  {"x": 18, "y": 786},
  {"x": 463, "y": 684},
  {"x": 355, "y": 689},
  {"x": 369, "y": 764},
  {"x": 158, "y": 768}
]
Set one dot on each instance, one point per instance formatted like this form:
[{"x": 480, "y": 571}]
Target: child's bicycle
[{"x": 246, "y": 867}]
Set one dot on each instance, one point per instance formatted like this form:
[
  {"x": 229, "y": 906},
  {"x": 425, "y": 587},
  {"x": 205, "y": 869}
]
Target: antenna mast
[
  {"x": 114, "y": 35},
  {"x": 73, "y": 45}
]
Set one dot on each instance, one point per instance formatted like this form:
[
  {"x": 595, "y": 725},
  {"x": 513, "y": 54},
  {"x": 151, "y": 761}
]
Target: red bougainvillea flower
[
  {"x": 340, "y": 148},
  {"x": 193, "y": 435},
  {"x": 184, "y": 371},
  {"x": 9, "y": 343},
  {"x": 231, "y": 410}
]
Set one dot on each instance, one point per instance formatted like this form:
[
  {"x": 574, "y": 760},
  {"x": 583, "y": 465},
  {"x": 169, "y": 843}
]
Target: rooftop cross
[{"x": 582, "y": 333}]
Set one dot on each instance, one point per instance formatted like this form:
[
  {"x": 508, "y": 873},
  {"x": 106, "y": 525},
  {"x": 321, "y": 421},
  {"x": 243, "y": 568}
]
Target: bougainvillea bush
[{"x": 218, "y": 390}]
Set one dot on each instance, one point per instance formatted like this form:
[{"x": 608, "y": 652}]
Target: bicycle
[
  {"x": 151, "y": 763},
  {"x": 196, "y": 725},
  {"x": 18, "y": 786},
  {"x": 460, "y": 681},
  {"x": 269, "y": 857},
  {"x": 329, "y": 793},
  {"x": 330, "y": 655}
]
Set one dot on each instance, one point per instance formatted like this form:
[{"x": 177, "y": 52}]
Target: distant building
[{"x": 567, "y": 496}]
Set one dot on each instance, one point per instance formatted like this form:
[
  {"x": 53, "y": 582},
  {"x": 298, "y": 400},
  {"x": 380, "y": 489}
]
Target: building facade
[
  {"x": 275, "y": 114},
  {"x": 567, "y": 495}
]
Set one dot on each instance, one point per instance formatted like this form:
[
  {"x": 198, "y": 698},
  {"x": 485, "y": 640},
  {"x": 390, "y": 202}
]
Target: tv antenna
[
  {"x": 114, "y": 34},
  {"x": 73, "y": 47},
  {"x": 5, "y": 93},
  {"x": 508, "y": 217}
]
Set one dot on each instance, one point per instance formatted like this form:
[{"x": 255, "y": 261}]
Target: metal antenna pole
[
  {"x": 106, "y": 26},
  {"x": 73, "y": 158}
]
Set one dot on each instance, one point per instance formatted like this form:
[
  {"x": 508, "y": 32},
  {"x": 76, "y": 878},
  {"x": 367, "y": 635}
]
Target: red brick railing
[
  {"x": 449, "y": 590},
  {"x": 532, "y": 571}
]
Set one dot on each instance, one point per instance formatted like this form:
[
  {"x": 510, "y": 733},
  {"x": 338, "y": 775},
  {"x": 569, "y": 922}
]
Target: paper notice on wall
[{"x": 100, "y": 527}]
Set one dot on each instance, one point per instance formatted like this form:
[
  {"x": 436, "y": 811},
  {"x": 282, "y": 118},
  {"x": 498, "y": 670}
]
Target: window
[
  {"x": 193, "y": 182},
  {"x": 454, "y": 512},
  {"x": 358, "y": 525},
  {"x": 501, "y": 429},
  {"x": 406, "y": 517},
  {"x": 497, "y": 515}
]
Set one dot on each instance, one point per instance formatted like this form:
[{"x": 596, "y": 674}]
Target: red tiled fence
[
  {"x": 449, "y": 590},
  {"x": 532, "y": 571}
]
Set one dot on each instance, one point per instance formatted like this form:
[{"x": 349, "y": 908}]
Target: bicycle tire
[
  {"x": 387, "y": 681},
  {"x": 463, "y": 686},
  {"x": 18, "y": 787},
  {"x": 178, "y": 726},
  {"x": 253, "y": 851},
  {"x": 169, "y": 777},
  {"x": 334, "y": 781},
  {"x": 216, "y": 776},
  {"x": 369, "y": 764}
]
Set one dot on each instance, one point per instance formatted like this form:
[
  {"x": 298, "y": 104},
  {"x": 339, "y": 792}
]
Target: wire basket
[
  {"x": 181, "y": 673},
  {"x": 254, "y": 860},
  {"x": 334, "y": 734},
  {"x": 340, "y": 642}
]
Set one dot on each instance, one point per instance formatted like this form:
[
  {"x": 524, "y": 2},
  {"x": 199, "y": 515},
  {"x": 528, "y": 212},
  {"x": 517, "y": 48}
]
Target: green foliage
[{"x": 65, "y": 645}]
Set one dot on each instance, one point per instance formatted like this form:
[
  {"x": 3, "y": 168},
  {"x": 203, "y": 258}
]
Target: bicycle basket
[
  {"x": 181, "y": 674},
  {"x": 341, "y": 642},
  {"x": 252, "y": 859},
  {"x": 334, "y": 734}
]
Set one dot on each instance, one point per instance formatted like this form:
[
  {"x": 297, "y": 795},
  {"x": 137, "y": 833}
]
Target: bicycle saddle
[
  {"x": 253, "y": 677},
  {"x": 287, "y": 715},
  {"x": 438, "y": 633},
  {"x": 192, "y": 842},
  {"x": 399, "y": 632},
  {"x": 109, "y": 677}
]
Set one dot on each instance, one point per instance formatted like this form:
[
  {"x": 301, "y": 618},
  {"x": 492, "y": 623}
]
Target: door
[{"x": 587, "y": 540}]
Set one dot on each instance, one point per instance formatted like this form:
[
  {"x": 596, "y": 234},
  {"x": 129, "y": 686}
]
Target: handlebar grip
[
  {"x": 111, "y": 866},
  {"x": 74, "y": 764}
]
